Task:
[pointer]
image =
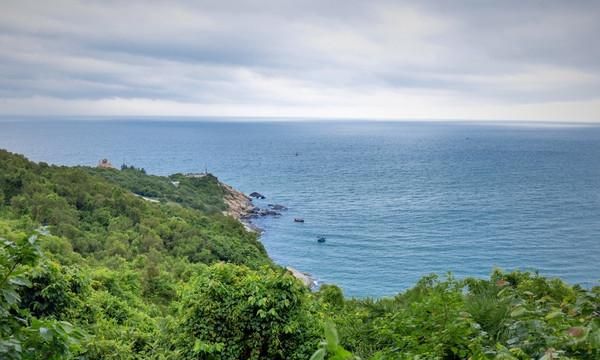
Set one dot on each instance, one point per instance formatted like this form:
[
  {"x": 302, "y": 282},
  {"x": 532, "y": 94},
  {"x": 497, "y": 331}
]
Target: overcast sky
[{"x": 500, "y": 60}]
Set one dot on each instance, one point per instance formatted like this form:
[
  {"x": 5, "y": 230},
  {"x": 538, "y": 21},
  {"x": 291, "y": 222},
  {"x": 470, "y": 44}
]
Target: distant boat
[
  {"x": 299, "y": 220},
  {"x": 321, "y": 239}
]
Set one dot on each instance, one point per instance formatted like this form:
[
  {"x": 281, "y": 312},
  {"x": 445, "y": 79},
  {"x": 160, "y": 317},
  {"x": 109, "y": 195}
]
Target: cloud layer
[{"x": 536, "y": 60}]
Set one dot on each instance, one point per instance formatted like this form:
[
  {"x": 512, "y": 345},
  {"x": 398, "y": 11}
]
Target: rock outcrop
[
  {"x": 238, "y": 204},
  {"x": 257, "y": 195},
  {"x": 306, "y": 279},
  {"x": 277, "y": 207}
]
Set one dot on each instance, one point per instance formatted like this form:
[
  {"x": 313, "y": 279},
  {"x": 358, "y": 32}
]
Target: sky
[{"x": 461, "y": 60}]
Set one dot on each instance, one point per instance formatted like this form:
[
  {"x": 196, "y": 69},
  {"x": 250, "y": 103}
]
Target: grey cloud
[
  {"x": 545, "y": 32},
  {"x": 232, "y": 52}
]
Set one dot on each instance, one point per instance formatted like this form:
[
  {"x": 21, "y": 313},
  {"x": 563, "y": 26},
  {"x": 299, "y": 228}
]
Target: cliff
[{"x": 238, "y": 203}]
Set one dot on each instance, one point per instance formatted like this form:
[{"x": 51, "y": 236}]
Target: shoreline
[{"x": 240, "y": 207}]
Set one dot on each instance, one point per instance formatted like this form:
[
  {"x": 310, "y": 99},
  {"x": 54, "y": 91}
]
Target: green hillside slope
[{"x": 91, "y": 270}]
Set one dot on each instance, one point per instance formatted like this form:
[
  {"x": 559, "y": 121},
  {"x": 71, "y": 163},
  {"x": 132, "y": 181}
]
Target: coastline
[{"x": 240, "y": 207}]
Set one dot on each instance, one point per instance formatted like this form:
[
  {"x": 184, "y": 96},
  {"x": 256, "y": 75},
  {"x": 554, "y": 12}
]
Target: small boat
[
  {"x": 299, "y": 220},
  {"x": 321, "y": 239}
]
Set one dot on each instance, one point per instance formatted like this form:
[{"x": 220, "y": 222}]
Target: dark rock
[
  {"x": 268, "y": 212},
  {"x": 277, "y": 207},
  {"x": 251, "y": 213},
  {"x": 257, "y": 195}
]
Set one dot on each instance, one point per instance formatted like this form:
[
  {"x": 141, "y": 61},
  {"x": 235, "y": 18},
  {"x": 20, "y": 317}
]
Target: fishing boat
[
  {"x": 298, "y": 220},
  {"x": 321, "y": 239}
]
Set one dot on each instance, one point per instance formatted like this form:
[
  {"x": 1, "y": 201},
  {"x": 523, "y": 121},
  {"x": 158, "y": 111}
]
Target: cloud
[{"x": 380, "y": 59}]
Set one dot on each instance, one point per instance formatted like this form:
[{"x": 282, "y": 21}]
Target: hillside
[
  {"x": 98, "y": 212},
  {"x": 198, "y": 191},
  {"x": 89, "y": 269}
]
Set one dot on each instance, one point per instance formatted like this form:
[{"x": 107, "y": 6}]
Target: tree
[
  {"x": 232, "y": 312},
  {"x": 23, "y": 336}
]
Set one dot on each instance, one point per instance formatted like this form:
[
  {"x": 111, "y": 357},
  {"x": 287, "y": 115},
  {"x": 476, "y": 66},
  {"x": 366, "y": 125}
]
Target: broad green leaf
[
  {"x": 318, "y": 355},
  {"x": 518, "y": 311},
  {"x": 20, "y": 281},
  {"x": 10, "y": 296},
  {"x": 553, "y": 314},
  {"x": 331, "y": 336}
]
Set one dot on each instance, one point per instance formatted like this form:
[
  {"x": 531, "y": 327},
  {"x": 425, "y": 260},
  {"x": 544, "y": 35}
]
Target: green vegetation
[
  {"x": 233, "y": 312},
  {"x": 100, "y": 218},
  {"x": 89, "y": 270},
  {"x": 201, "y": 192},
  {"x": 510, "y": 316}
]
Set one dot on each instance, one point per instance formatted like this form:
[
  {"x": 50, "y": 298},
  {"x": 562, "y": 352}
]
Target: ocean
[{"x": 394, "y": 200}]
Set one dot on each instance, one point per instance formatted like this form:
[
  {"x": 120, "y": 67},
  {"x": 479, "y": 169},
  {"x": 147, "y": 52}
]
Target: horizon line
[{"x": 291, "y": 119}]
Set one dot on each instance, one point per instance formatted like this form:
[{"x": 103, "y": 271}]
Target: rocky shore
[
  {"x": 306, "y": 278},
  {"x": 240, "y": 206}
]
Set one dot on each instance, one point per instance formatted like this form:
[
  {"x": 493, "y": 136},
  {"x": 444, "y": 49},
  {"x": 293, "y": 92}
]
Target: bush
[
  {"x": 232, "y": 312},
  {"x": 22, "y": 334}
]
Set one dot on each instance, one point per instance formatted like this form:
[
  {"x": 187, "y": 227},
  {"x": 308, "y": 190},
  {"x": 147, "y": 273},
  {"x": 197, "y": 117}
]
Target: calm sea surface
[{"x": 395, "y": 201}]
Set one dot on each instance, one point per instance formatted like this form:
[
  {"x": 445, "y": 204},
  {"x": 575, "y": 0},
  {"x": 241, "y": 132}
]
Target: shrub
[{"x": 232, "y": 312}]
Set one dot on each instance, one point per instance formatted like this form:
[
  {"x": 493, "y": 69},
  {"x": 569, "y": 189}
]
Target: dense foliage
[
  {"x": 90, "y": 270},
  {"x": 235, "y": 313},
  {"x": 198, "y": 191},
  {"x": 104, "y": 220},
  {"x": 515, "y": 315},
  {"x": 22, "y": 334}
]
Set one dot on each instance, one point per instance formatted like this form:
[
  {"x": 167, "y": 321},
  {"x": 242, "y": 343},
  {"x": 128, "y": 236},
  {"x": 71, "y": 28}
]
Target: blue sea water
[{"x": 395, "y": 201}]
